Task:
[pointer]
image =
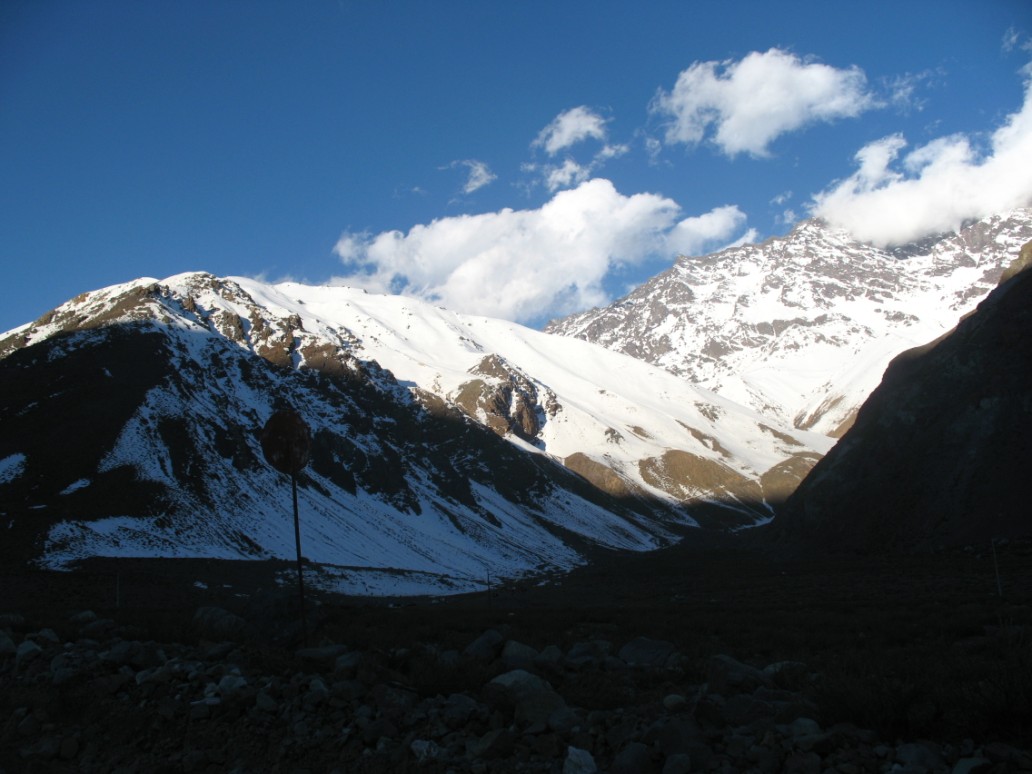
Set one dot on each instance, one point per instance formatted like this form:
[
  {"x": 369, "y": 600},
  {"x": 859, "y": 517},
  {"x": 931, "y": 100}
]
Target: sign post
[{"x": 287, "y": 445}]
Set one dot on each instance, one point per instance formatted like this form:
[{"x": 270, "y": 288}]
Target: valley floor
[{"x": 913, "y": 662}]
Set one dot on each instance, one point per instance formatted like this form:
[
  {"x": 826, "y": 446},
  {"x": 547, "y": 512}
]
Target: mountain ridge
[{"x": 444, "y": 443}]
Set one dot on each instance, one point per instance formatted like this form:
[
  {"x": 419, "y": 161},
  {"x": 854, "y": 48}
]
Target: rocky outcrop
[
  {"x": 505, "y": 400},
  {"x": 691, "y": 477},
  {"x": 602, "y": 476},
  {"x": 939, "y": 453}
]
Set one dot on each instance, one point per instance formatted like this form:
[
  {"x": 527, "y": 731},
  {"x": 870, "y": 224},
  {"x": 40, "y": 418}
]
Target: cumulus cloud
[
  {"x": 895, "y": 197},
  {"x": 569, "y": 128},
  {"x": 743, "y": 106},
  {"x": 565, "y": 175},
  {"x": 570, "y": 172},
  {"x": 478, "y": 174},
  {"x": 691, "y": 235},
  {"x": 526, "y": 265}
]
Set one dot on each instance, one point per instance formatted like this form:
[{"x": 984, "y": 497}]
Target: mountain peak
[{"x": 801, "y": 326}]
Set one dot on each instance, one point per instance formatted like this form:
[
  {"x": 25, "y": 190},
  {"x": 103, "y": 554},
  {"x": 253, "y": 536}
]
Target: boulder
[
  {"x": 26, "y": 651},
  {"x": 458, "y": 709},
  {"x": 516, "y": 655},
  {"x": 678, "y": 764},
  {"x": 646, "y": 652},
  {"x": 497, "y": 743},
  {"x": 587, "y": 654},
  {"x": 919, "y": 756},
  {"x": 217, "y": 624},
  {"x": 579, "y": 761},
  {"x": 322, "y": 658},
  {"x": 531, "y": 699},
  {"x": 727, "y": 675},
  {"x": 485, "y": 647},
  {"x": 635, "y": 758}
]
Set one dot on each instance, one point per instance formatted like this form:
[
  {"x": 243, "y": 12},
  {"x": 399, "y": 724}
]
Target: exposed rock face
[
  {"x": 505, "y": 399},
  {"x": 692, "y": 476},
  {"x": 602, "y": 476},
  {"x": 939, "y": 453}
]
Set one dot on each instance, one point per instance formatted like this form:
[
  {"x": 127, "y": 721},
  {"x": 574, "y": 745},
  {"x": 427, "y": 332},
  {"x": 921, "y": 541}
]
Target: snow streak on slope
[{"x": 801, "y": 328}]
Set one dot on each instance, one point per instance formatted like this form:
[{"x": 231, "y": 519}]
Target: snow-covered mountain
[
  {"x": 443, "y": 443},
  {"x": 801, "y": 327},
  {"x": 449, "y": 447}
]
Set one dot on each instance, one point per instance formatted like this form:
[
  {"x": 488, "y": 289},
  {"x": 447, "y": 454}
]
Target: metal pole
[{"x": 297, "y": 540}]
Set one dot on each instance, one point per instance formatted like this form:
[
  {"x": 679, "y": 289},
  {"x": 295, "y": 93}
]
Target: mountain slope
[
  {"x": 801, "y": 327},
  {"x": 939, "y": 452},
  {"x": 130, "y": 417}
]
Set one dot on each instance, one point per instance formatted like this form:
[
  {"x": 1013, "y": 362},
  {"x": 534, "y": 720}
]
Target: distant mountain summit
[
  {"x": 446, "y": 447},
  {"x": 801, "y": 327}
]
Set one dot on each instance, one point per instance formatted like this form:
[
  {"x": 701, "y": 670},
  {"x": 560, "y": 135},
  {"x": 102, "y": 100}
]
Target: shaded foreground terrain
[{"x": 705, "y": 656}]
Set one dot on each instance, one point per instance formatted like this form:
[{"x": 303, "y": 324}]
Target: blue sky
[{"x": 520, "y": 160}]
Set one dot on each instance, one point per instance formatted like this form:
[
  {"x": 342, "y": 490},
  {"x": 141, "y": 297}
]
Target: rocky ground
[{"x": 691, "y": 659}]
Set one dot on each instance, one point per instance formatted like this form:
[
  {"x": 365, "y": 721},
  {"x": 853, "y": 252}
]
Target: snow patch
[
  {"x": 116, "y": 536},
  {"x": 75, "y": 486},
  {"x": 382, "y": 582},
  {"x": 11, "y": 467}
]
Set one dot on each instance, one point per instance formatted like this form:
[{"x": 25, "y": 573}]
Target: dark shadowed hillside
[{"x": 940, "y": 451}]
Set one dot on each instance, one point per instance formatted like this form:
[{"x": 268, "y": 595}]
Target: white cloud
[
  {"x": 572, "y": 173},
  {"x": 752, "y": 102},
  {"x": 569, "y": 128},
  {"x": 1011, "y": 40},
  {"x": 691, "y": 235},
  {"x": 653, "y": 148},
  {"x": 892, "y": 199},
  {"x": 528, "y": 264},
  {"x": 903, "y": 89},
  {"x": 1015, "y": 40},
  {"x": 749, "y": 237},
  {"x": 611, "y": 152},
  {"x": 479, "y": 174},
  {"x": 565, "y": 175}
]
